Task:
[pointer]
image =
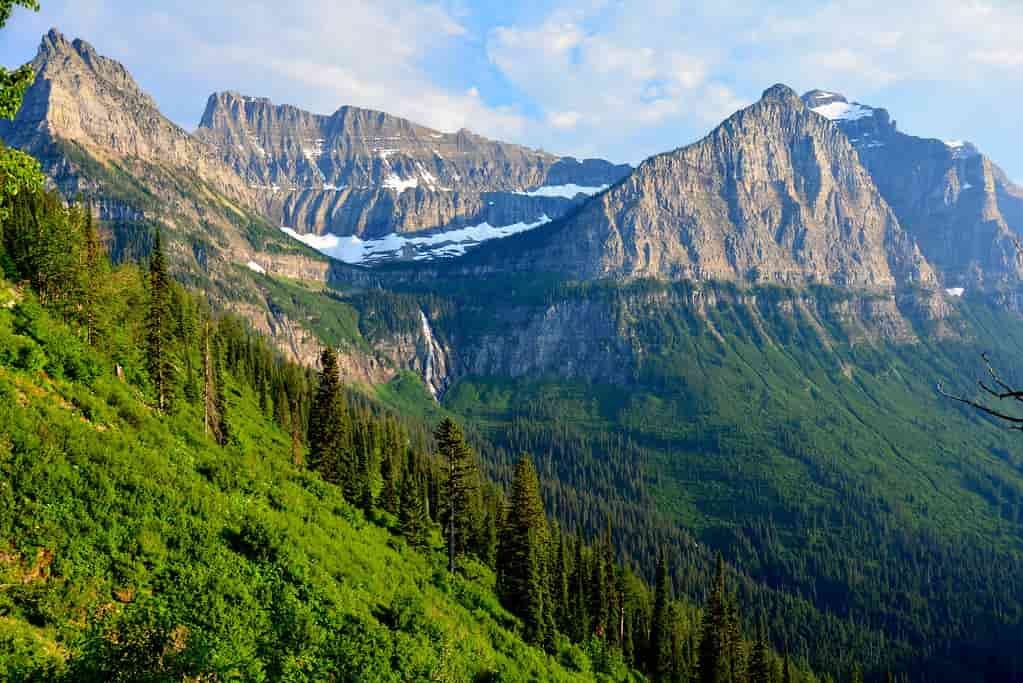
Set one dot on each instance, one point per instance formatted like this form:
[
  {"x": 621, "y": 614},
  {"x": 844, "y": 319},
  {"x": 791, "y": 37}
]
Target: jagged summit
[
  {"x": 774, "y": 194},
  {"x": 781, "y": 93},
  {"x": 369, "y": 173},
  {"x": 955, "y": 202}
]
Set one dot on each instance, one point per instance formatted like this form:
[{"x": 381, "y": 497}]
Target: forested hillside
[{"x": 181, "y": 502}]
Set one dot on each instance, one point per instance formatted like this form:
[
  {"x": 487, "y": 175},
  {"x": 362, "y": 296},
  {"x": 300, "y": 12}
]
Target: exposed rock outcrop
[
  {"x": 774, "y": 194},
  {"x": 367, "y": 173},
  {"x": 956, "y": 203}
]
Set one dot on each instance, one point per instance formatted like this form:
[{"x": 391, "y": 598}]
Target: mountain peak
[
  {"x": 55, "y": 43},
  {"x": 780, "y": 92}
]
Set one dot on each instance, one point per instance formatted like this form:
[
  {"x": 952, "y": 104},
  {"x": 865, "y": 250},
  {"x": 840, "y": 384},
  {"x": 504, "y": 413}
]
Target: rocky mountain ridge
[
  {"x": 369, "y": 174},
  {"x": 774, "y": 194},
  {"x": 957, "y": 204}
]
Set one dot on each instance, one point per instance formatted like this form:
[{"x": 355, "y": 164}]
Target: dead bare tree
[{"x": 996, "y": 388}]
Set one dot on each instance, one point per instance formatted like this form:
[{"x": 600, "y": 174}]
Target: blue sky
[{"x": 621, "y": 80}]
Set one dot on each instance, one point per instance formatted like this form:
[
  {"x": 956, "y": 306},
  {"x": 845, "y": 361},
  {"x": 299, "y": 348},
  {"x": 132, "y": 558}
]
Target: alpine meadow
[{"x": 295, "y": 396}]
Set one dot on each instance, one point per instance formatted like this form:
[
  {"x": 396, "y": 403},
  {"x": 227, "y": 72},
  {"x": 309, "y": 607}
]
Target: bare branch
[
  {"x": 1017, "y": 422},
  {"x": 1009, "y": 391}
]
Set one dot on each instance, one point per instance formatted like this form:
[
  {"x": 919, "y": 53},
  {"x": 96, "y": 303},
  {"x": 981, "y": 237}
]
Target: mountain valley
[{"x": 731, "y": 348}]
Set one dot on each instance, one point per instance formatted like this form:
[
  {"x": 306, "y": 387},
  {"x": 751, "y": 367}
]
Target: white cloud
[
  {"x": 600, "y": 78},
  {"x": 563, "y": 119}
]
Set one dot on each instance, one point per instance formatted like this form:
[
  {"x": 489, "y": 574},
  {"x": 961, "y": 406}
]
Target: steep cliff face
[
  {"x": 100, "y": 136},
  {"x": 774, "y": 194},
  {"x": 84, "y": 97},
  {"x": 367, "y": 173},
  {"x": 956, "y": 203},
  {"x": 606, "y": 337}
]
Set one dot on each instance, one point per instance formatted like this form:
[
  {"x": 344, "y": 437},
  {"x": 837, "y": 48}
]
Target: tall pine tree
[
  {"x": 412, "y": 517},
  {"x": 461, "y": 488},
  {"x": 660, "y": 656},
  {"x": 327, "y": 423},
  {"x": 760, "y": 658},
  {"x": 158, "y": 328},
  {"x": 522, "y": 582},
  {"x": 714, "y": 665}
]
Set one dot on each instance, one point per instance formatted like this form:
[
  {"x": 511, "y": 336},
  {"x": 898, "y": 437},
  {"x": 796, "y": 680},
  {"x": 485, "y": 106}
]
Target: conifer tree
[
  {"x": 660, "y": 656},
  {"x": 296, "y": 431},
  {"x": 211, "y": 408},
  {"x": 788, "y": 673},
  {"x": 389, "y": 498},
  {"x": 580, "y": 622},
  {"x": 522, "y": 554},
  {"x": 93, "y": 270},
  {"x": 412, "y": 518},
  {"x": 598, "y": 593},
  {"x": 559, "y": 583},
  {"x": 612, "y": 598},
  {"x": 734, "y": 647},
  {"x": 223, "y": 432},
  {"x": 760, "y": 658},
  {"x": 714, "y": 667},
  {"x": 460, "y": 488},
  {"x": 158, "y": 328},
  {"x": 326, "y": 421}
]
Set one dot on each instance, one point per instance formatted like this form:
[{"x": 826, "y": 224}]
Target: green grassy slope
[{"x": 131, "y": 546}]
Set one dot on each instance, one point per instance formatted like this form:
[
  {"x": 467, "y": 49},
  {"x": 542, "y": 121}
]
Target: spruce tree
[
  {"x": 734, "y": 647},
  {"x": 580, "y": 622},
  {"x": 788, "y": 673},
  {"x": 94, "y": 267},
  {"x": 598, "y": 593},
  {"x": 158, "y": 328},
  {"x": 559, "y": 583},
  {"x": 522, "y": 554},
  {"x": 460, "y": 488},
  {"x": 223, "y": 431},
  {"x": 327, "y": 425},
  {"x": 296, "y": 432},
  {"x": 412, "y": 518},
  {"x": 714, "y": 665},
  {"x": 389, "y": 498},
  {"x": 760, "y": 658},
  {"x": 659, "y": 658}
]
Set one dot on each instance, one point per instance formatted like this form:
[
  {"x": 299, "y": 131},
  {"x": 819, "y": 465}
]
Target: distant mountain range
[{"x": 790, "y": 190}]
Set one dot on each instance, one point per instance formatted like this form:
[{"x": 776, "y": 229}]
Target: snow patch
[
  {"x": 353, "y": 249},
  {"x": 843, "y": 111},
  {"x": 954, "y": 144},
  {"x": 315, "y": 151},
  {"x": 955, "y": 291},
  {"x": 256, "y": 268},
  {"x": 399, "y": 184},
  {"x": 384, "y": 153},
  {"x": 568, "y": 191}
]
